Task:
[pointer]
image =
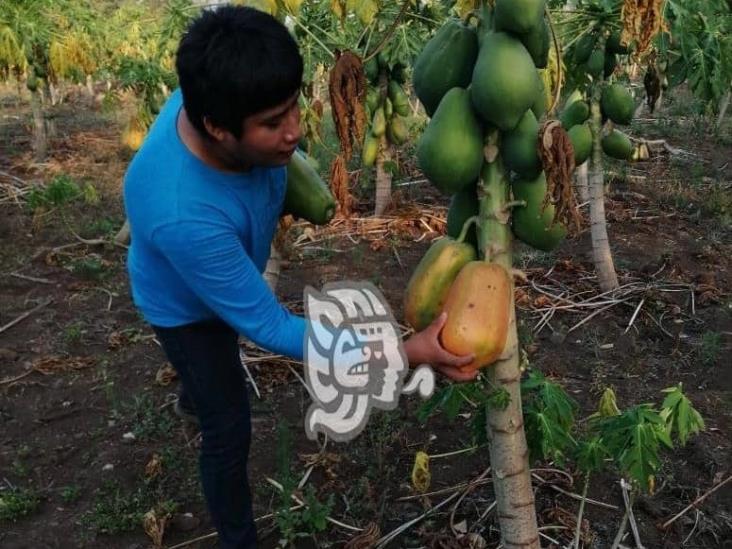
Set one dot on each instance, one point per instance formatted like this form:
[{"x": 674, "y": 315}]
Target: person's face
[{"x": 268, "y": 137}]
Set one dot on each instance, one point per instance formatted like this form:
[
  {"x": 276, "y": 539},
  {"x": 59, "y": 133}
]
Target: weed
[
  {"x": 115, "y": 511},
  {"x": 70, "y": 494},
  {"x": 710, "y": 348},
  {"x": 73, "y": 333},
  {"x": 90, "y": 268},
  {"x": 149, "y": 421},
  {"x": 100, "y": 228},
  {"x": 17, "y": 503},
  {"x": 62, "y": 190}
]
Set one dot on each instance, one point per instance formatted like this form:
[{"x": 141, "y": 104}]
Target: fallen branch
[
  {"x": 25, "y": 315},
  {"x": 694, "y": 503}
]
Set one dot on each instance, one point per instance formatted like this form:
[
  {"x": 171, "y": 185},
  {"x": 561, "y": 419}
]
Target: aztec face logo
[{"x": 354, "y": 359}]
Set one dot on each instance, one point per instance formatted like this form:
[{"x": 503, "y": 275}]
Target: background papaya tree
[
  {"x": 697, "y": 49},
  {"x": 596, "y": 33}
]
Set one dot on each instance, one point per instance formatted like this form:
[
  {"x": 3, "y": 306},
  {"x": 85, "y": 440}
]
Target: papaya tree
[
  {"x": 697, "y": 48},
  {"x": 45, "y": 41},
  {"x": 479, "y": 79},
  {"x": 597, "y": 34}
]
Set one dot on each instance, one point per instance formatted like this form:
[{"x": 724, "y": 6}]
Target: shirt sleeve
[{"x": 211, "y": 260}]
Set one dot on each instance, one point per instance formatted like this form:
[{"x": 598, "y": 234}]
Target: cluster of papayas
[
  {"x": 472, "y": 81},
  {"x": 386, "y": 106}
]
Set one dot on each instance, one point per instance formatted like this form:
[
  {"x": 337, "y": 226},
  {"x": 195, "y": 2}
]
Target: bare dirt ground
[{"x": 89, "y": 442}]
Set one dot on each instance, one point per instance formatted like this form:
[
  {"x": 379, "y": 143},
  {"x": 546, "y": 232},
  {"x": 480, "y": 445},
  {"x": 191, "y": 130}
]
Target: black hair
[{"x": 233, "y": 62}]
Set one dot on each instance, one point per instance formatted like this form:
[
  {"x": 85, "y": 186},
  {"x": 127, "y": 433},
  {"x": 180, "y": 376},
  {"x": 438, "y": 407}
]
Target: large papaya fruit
[
  {"x": 583, "y": 48},
  {"x": 445, "y": 62},
  {"x": 519, "y": 16},
  {"x": 596, "y": 62},
  {"x": 463, "y": 205},
  {"x": 450, "y": 151},
  {"x": 396, "y": 130},
  {"x": 519, "y": 147},
  {"x": 617, "y": 104},
  {"x": 307, "y": 195},
  {"x": 505, "y": 81},
  {"x": 370, "y": 149},
  {"x": 378, "y": 122},
  {"x": 478, "y": 308},
  {"x": 530, "y": 223},
  {"x": 430, "y": 283}
]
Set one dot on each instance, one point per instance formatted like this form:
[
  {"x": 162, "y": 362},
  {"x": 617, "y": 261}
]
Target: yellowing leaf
[
  {"x": 464, "y": 7},
  {"x": 292, "y": 6},
  {"x": 338, "y": 8},
  {"x": 365, "y": 10},
  {"x": 421, "y": 476},
  {"x": 608, "y": 404}
]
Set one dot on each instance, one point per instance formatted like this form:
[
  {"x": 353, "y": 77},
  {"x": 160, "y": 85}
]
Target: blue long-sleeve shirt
[{"x": 200, "y": 239}]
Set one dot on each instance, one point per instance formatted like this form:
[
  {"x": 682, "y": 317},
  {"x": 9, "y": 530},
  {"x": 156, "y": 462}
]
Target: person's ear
[{"x": 218, "y": 134}]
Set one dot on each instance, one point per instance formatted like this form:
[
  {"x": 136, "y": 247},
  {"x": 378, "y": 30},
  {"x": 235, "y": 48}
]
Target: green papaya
[
  {"x": 537, "y": 43},
  {"x": 611, "y": 61},
  {"x": 370, "y": 150},
  {"x": 372, "y": 99},
  {"x": 371, "y": 70},
  {"x": 530, "y": 223},
  {"x": 581, "y": 138},
  {"x": 576, "y": 95},
  {"x": 445, "y": 62},
  {"x": 378, "y": 122},
  {"x": 463, "y": 205},
  {"x": 519, "y": 147},
  {"x": 307, "y": 196},
  {"x": 399, "y": 99},
  {"x": 388, "y": 108},
  {"x": 505, "y": 82},
  {"x": 617, "y": 104},
  {"x": 617, "y": 145},
  {"x": 450, "y": 151},
  {"x": 613, "y": 44},
  {"x": 382, "y": 60},
  {"x": 430, "y": 283},
  {"x": 518, "y": 16},
  {"x": 574, "y": 113},
  {"x": 596, "y": 62},
  {"x": 539, "y": 107},
  {"x": 583, "y": 48},
  {"x": 396, "y": 130}
]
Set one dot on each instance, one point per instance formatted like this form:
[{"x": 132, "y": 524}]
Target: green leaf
[{"x": 680, "y": 415}]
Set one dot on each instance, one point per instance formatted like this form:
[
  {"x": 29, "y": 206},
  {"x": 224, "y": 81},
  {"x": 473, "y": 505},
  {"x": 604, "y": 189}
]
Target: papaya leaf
[
  {"x": 608, "y": 405},
  {"x": 680, "y": 415},
  {"x": 436, "y": 401},
  {"x": 591, "y": 454}
]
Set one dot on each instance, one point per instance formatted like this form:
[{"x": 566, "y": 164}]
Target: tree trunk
[
  {"x": 601, "y": 253},
  {"x": 580, "y": 183},
  {"x": 723, "y": 105},
  {"x": 509, "y": 452},
  {"x": 383, "y": 178},
  {"x": 123, "y": 236},
  {"x": 274, "y": 265},
  {"x": 40, "y": 136}
]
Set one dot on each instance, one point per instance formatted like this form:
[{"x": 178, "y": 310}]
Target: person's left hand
[{"x": 424, "y": 347}]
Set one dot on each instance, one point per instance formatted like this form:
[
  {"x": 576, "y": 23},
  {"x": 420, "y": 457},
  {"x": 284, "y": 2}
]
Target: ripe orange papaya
[
  {"x": 478, "y": 309},
  {"x": 428, "y": 287}
]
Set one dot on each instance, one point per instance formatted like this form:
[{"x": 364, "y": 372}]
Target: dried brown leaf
[
  {"x": 366, "y": 539},
  {"x": 642, "y": 21},
  {"x": 165, "y": 375},
  {"x": 154, "y": 467},
  {"x": 557, "y": 157},
  {"x": 347, "y": 88},
  {"x": 339, "y": 184}
]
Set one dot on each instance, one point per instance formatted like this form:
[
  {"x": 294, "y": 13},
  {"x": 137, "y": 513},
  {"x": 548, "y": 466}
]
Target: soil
[{"x": 87, "y": 430}]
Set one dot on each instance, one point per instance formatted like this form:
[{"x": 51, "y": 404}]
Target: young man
[{"x": 203, "y": 196}]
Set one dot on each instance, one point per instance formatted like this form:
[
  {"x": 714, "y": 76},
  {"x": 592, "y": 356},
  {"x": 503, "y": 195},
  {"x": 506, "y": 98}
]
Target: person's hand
[{"x": 424, "y": 347}]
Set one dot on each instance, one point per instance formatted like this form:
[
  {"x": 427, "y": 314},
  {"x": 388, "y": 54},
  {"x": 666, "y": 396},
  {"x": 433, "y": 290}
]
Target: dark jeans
[{"x": 206, "y": 357}]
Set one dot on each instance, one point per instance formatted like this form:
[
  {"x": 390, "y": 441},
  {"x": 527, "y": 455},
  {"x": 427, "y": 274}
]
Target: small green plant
[
  {"x": 102, "y": 227},
  {"x": 73, "y": 333},
  {"x": 115, "y": 511},
  {"x": 70, "y": 494},
  {"x": 149, "y": 422},
  {"x": 90, "y": 268},
  {"x": 17, "y": 503},
  {"x": 710, "y": 348},
  {"x": 296, "y": 523},
  {"x": 62, "y": 190}
]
